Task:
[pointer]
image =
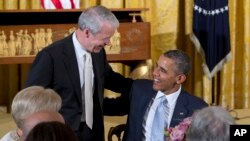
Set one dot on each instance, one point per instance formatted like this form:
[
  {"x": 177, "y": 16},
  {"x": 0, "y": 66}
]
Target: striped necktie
[{"x": 160, "y": 120}]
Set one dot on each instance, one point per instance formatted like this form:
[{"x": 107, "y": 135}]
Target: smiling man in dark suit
[
  {"x": 62, "y": 66},
  {"x": 170, "y": 72}
]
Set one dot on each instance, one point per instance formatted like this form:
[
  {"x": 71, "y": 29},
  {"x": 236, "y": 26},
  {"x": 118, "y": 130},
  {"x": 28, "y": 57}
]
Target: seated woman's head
[
  {"x": 36, "y": 118},
  {"x": 31, "y": 100},
  {"x": 34, "y": 99}
]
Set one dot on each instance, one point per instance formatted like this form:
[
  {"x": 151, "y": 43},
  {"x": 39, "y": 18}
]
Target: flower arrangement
[{"x": 177, "y": 133}]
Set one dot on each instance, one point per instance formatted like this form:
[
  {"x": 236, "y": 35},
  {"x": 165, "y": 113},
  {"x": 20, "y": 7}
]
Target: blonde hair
[{"x": 34, "y": 99}]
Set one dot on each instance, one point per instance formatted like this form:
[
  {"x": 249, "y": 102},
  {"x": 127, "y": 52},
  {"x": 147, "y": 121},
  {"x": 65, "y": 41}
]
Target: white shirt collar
[
  {"x": 170, "y": 97},
  {"x": 79, "y": 49}
]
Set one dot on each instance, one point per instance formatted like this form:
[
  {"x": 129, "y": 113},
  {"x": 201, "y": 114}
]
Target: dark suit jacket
[
  {"x": 56, "y": 67},
  {"x": 140, "y": 96}
]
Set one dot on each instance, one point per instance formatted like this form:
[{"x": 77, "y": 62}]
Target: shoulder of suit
[
  {"x": 191, "y": 97},
  {"x": 143, "y": 82},
  {"x": 144, "y": 85}
]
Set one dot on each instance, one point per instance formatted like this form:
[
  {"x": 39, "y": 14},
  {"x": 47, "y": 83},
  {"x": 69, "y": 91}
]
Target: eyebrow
[{"x": 162, "y": 68}]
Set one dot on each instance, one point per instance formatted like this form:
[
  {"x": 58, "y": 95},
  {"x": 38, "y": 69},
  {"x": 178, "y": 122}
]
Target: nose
[{"x": 155, "y": 72}]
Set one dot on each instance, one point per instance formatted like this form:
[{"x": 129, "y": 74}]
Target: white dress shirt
[
  {"x": 172, "y": 98},
  {"x": 80, "y": 51}
]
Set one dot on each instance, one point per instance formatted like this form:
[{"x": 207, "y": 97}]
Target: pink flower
[
  {"x": 177, "y": 135},
  {"x": 178, "y": 132}
]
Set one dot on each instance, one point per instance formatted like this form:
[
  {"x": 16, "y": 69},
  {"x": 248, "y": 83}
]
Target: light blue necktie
[{"x": 160, "y": 120}]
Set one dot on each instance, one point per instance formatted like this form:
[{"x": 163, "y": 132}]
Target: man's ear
[
  {"x": 181, "y": 78},
  {"x": 19, "y": 132},
  {"x": 87, "y": 32}
]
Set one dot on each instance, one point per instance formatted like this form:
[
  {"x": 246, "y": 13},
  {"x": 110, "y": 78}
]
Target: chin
[
  {"x": 95, "y": 50},
  {"x": 155, "y": 88}
]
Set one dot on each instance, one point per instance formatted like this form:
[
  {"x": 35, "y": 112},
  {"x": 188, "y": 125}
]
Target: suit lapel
[
  {"x": 97, "y": 76},
  {"x": 149, "y": 101},
  {"x": 71, "y": 66},
  {"x": 180, "y": 111}
]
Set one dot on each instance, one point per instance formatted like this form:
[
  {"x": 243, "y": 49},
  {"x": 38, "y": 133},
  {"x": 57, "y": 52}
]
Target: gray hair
[
  {"x": 34, "y": 99},
  {"x": 181, "y": 59},
  {"x": 93, "y": 18},
  {"x": 210, "y": 124}
]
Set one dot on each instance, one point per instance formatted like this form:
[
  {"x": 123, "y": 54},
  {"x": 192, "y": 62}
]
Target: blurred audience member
[
  {"x": 210, "y": 124},
  {"x": 36, "y": 118},
  {"x": 29, "y": 101},
  {"x": 51, "y": 131}
]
